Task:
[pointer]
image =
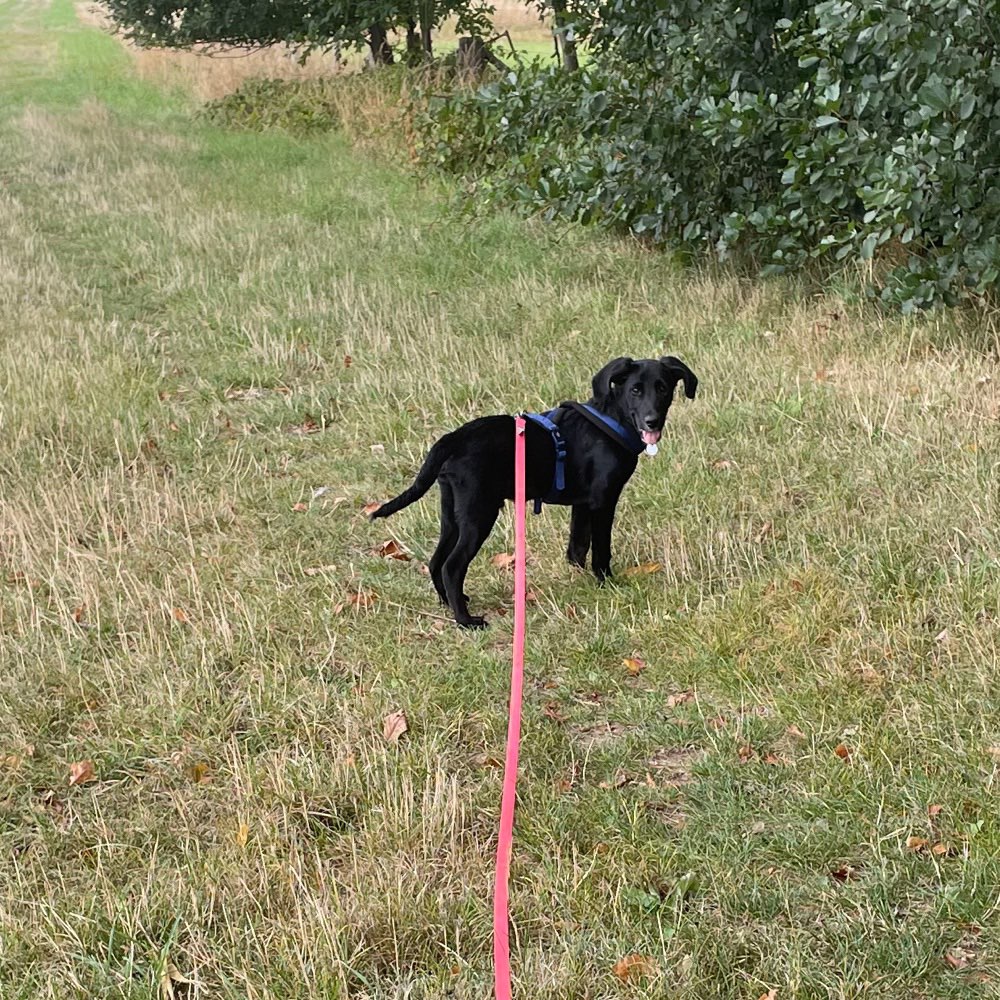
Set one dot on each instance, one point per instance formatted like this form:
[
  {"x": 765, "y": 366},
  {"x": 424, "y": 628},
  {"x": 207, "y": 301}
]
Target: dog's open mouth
[{"x": 650, "y": 437}]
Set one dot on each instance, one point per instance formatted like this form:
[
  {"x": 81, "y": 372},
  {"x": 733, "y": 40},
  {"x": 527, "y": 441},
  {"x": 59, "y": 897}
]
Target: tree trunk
[
  {"x": 425, "y": 33},
  {"x": 412, "y": 43},
  {"x": 473, "y": 56},
  {"x": 378, "y": 42},
  {"x": 567, "y": 46}
]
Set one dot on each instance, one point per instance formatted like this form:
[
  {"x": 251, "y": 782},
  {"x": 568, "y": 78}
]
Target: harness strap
[
  {"x": 544, "y": 420},
  {"x": 625, "y": 436}
]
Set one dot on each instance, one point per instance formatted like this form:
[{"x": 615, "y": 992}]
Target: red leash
[{"x": 501, "y": 941}]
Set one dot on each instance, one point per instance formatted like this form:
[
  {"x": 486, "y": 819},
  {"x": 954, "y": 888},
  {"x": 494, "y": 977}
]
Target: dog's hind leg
[
  {"x": 449, "y": 537},
  {"x": 579, "y": 535},
  {"x": 474, "y": 527}
]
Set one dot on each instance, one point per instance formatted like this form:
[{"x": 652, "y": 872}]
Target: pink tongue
[{"x": 650, "y": 437}]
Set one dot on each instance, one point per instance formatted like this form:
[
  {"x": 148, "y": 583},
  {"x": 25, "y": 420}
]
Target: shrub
[
  {"x": 299, "y": 106},
  {"x": 782, "y": 132}
]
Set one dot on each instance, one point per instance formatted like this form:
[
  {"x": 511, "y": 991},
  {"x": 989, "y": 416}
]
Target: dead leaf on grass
[
  {"x": 643, "y": 569},
  {"x": 179, "y": 615},
  {"x": 681, "y": 698},
  {"x": 632, "y": 968},
  {"x": 842, "y": 751},
  {"x": 300, "y": 507},
  {"x": 845, "y": 873},
  {"x": 392, "y": 550},
  {"x": 78, "y": 613},
  {"x": 199, "y": 772},
  {"x": 746, "y": 753},
  {"x": 81, "y": 772},
  {"x": 503, "y": 560},
  {"x": 958, "y": 957},
  {"x": 634, "y": 665},
  {"x": 394, "y": 726},
  {"x": 769, "y": 995},
  {"x": 796, "y": 732},
  {"x": 916, "y": 843},
  {"x": 370, "y": 508},
  {"x": 551, "y": 711},
  {"x": 934, "y": 810},
  {"x": 171, "y": 980}
]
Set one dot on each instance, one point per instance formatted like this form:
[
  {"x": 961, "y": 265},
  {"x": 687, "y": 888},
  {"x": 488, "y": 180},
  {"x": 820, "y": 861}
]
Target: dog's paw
[{"x": 473, "y": 621}]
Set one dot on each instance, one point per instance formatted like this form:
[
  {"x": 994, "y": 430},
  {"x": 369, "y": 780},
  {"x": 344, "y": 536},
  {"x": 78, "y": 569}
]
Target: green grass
[{"x": 177, "y": 310}]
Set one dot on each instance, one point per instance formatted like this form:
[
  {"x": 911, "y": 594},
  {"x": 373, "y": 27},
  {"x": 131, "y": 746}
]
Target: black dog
[{"x": 475, "y": 467}]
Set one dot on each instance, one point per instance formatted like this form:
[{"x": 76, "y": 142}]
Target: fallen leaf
[
  {"x": 370, "y": 508},
  {"x": 199, "y": 772},
  {"x": 362, "y": 598},
  {"x": 916, "y": 843},
  {"x": 392, "y": 550},
  {"x": 774, "y": 760},
  {"x": 745, "y": 752},
  {"x": 171, "y": 978},
  {"x": 822, "y": 374},
  {"x": 551, "y": 711},
  {"x": 942, "y": 636},
  {"x": 78, "y": 613},
  {"x": 842, "y": 751},
  {"x": 634, "y": 967},
  {"x": 769, "y": 995},
  {"x": 394, "y": 726},
  {"x": 934, "y": 810},
  {"x": 530, "y": 596},
  {"x": 681, "y": 698},
  {"x": 242, "y": 835},
  {"x": 179, "y": 615},
  {"x": 348, "y": 361},
  {"x": 958, "y": 957},
  {"x": 620, "y": 780},
  {"x": 845, "y": 873},
  {"x": 941, "y": 850},
  {"x": 503, "y": 560},
  {"x": 643, "y": 569},
  {"x": 377, "y": 449},
  {"x": 300, "y": 507},
  {"x": 81, "y": 772},
  {"x": 765, "y": 529},
  {"x": 634, "y": 665},
  {"x": 722, "y": 464},
  {"x": 758, "y": 828},
  {"x": 487, "y": 761},
  {"x": 719, "y": 722},
  {"x": 570, "y": 611},
  {"x": 796, "y": 732}
]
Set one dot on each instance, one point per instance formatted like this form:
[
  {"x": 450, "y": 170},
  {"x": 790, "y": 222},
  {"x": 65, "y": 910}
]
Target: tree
[{"x": 303, "y": 24}]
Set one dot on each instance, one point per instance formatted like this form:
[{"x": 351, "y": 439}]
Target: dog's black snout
[{"x": 653, "y": 423}]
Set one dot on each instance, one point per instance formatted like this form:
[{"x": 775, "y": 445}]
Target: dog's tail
[{"x": 440, "y": 452}]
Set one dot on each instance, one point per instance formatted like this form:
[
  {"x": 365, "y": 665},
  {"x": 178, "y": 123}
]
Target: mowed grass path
[{"x": 215, "y": 349}]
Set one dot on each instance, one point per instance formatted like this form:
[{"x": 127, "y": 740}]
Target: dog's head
[{"x": 641, "y": 391}]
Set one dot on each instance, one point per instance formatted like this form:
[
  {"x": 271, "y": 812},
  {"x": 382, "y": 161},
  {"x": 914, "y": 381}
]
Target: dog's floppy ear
[
  {"x": 613, "y": 371},
  {"x": 678, "y": 369}
]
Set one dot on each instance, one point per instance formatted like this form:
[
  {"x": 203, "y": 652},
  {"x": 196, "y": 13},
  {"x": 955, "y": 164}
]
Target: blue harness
[{"x": 625, "y": 436}]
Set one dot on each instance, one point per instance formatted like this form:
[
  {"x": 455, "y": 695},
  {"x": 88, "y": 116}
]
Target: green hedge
[{"x": 781, "y": 132}]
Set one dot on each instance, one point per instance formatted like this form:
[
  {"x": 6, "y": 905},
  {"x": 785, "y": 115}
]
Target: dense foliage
[
  {"x": 781, "y": 131},
  {"x": 304, "y": 23},
  {"x": 298, "y": 106}
]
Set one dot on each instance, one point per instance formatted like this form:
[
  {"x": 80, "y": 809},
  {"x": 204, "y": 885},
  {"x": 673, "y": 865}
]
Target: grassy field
[{"x": 215, "y": 349}]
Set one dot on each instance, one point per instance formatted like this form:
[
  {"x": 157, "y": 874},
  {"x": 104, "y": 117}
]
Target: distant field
[{"x": 763, "y": 765}]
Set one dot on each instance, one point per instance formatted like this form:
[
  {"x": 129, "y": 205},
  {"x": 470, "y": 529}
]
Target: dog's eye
[
  {"x": 660, "y": 387},
  {"x": 636, "y": 390}
]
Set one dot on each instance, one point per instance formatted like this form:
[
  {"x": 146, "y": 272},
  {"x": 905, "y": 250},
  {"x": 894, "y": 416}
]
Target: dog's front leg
[
  {"x": 601, "y": 521},
  {"x": 579, "y": 535}
]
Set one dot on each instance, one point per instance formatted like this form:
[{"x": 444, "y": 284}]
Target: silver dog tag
[{"x": 651, "y": 450}]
